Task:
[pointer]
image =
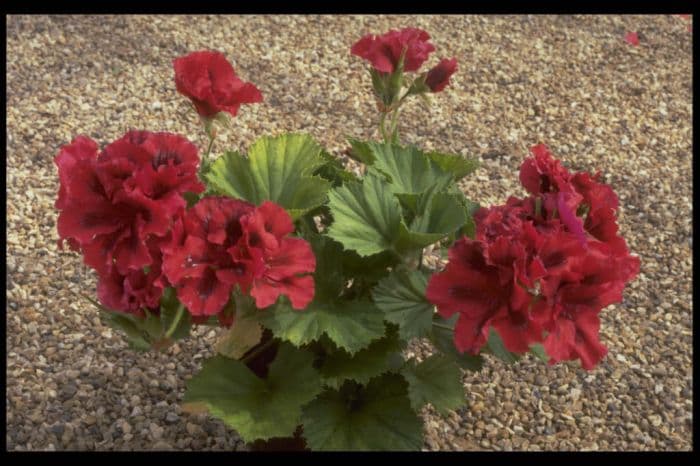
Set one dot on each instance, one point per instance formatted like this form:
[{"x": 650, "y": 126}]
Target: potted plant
[{"x": 319, "y": 275}]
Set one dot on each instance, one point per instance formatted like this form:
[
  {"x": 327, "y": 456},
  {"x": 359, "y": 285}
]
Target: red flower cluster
[
  {"x": 384, "y": 52},
  {"x": 541, "y": 268},
  {"x": 210, "y": 81},
  {"x": 116, "y": 207},
  {"x": 222, "y": 242},
  {"x": 125, "y": 211}
]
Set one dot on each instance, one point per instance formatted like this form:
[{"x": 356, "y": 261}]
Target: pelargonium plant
[{"x": 318, "y": 275}]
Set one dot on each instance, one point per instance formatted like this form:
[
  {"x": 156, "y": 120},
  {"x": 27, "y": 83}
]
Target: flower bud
[{"x": 439, "y": 76}]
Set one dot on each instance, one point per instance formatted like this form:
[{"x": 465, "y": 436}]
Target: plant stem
[
  {"x": 178, "y": 317},
  {"x": 211, "y": 143},
  {"x": 382, "y": 128},
  {"x": 395, "y": 125},
  {"x": 258, "y": 350}
]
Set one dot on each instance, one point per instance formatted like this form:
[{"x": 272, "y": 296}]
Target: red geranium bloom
[
  {"x": 577, "y": 300},
  {"x": 112, "y": 204},
  {"x": 537, "y": 272},
  {"x": 541, "y": 173},
  {"x": 480, "y": 283},
  {"x": 225, "y": 242},
  {"x": 173, "y": 164},
  {"x": 281, "y": 265},
  {"x": 384, "y": 51},
  {"x": 439, "y": 76},
  {"x": 576, "y": 338},
  {"x": 209, "y": 80},
  {"x": 196, "y": 259},
  {"x": 133, "y": 291}
]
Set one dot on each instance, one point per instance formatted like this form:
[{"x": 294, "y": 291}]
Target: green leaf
[
  {"x": 438, "y": 381},
  {"x": 444, "y": 215},
  {"x": 497, "y": 348},
  {"x": 168, "y": 312},
  {"x": 135, "y": 336},
  {"x": 257, "y": 408},
  {"x": 243, "y": 335},
  {"x": 240, "y": 338},
  {"x": 378, "y": 417},
  {"x": 457, "y": 165},
  {"x": 360, "y": 151},
  {"x": 328, "y": 276},
  {"x": 366, "y": 218},
  {"x": 401, "y": 296},
  {"x": 370, "y": 268},
  {"x": 147, "y": 332},
  {"x": 470, "y": 207},
  {"x": 333, "y": 171},
  {"x": 443, "y": 338},
  {"x": 352, "y": 325},
  {"x": 538, "y": 350},
  {"x": 407, "y": 169},
  {"x": 363, "y": 365},
  {"x": 278, "y": 169},
  {"x": 152, "y": 325}
]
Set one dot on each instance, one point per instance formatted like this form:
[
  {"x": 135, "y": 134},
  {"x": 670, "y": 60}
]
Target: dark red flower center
[{"x": 163, "y": 157}]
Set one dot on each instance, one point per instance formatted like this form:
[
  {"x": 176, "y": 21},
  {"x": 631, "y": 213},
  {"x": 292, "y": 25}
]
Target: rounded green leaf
[
  {"x": 351, "y": 325},
  {"x": 437, "y": 381},
  {"x": 408, "y": 169},
  {"x": 257, "y": 408},
  {"x": 401, "y": 296},
  {"x": 457, "y": 165},
  {"x": 367, "y": 363},
  {"x": 378, "y": 417},
  {"x": 365, "y": 217},
  {"x": 277, "y": 169},
  {"x": 442, "y": 215}
]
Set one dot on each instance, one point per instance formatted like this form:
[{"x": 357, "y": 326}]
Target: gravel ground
[{"x": 571, "y": 82}]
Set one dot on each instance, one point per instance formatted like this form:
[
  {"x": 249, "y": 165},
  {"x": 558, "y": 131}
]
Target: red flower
[
  {"x": 209, "y": 80},
  {"x": 225, "y": 242},
  {"x": 481, "y": 284},
  {"x": 113, "y": 204},
  {"x": 439, "y": 76},
  {"x": 632, "y": 38},
  {"x": 133, "y": 291},
  {"x": 282, "y": 265},
  {"x": 576, "y": 338},
  {"x": 537, "y": 272},
  {"x": 384, "y": 51},
  {"x": 598, "y": 281},
  {"x": 173, "y": 164},
  {"x": 196, "y": 259},
  {"x": 541, "y": 173}
]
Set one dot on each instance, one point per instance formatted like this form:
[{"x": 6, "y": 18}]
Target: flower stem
[
  {"x": 382, "y": 127},
  {"x": 178, "y": 317},
  {"x": 395, "y": 126},
  {"x": 211, "y": 143}
]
